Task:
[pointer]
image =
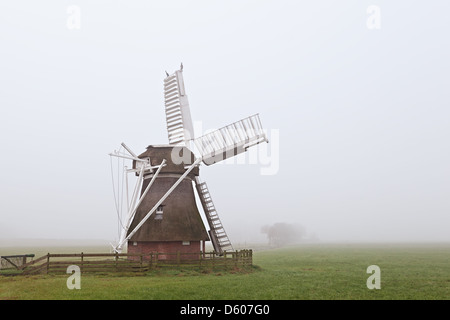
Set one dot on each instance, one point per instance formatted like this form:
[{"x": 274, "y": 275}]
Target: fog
[{"x": 355, "y": 102}]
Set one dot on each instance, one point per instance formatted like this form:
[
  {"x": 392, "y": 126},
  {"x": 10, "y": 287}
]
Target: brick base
[{"x": 148, "y": 247}]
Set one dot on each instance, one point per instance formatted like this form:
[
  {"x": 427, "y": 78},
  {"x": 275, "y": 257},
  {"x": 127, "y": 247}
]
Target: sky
[{"x": 353, "y": 94}]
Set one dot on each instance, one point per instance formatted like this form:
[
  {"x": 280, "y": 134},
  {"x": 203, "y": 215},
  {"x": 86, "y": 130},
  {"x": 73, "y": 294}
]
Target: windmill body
[
  {"x": 176, "y": 225},
  {"x": 162, "y": 213}
]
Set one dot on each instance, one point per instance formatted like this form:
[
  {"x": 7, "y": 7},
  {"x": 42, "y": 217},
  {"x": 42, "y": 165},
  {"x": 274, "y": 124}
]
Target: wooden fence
[
  {"x": 14, "y": 261},
  {"x": 124, "y": 262}
]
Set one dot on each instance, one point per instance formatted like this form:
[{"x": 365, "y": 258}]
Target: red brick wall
[{"x": 165, "y": 247}]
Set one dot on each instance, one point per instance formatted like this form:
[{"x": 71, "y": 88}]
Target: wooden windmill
[{"x": 162, "y": 215}]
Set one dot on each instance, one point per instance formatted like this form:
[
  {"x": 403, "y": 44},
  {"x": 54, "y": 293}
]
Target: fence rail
[{"x": 124, "y": 262}]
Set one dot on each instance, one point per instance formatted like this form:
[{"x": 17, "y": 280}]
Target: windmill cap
[{"x": 177, "y": 157}]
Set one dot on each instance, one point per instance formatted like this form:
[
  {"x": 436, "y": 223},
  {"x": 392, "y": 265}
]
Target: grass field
[{"x": 313, "y": 271}]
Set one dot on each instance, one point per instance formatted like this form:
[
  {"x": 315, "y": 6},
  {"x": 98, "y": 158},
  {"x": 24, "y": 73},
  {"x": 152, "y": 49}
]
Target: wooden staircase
[{"x": 219, "y": 237}]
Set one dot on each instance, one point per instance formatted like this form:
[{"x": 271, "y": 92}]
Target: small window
[
  {"x": 159, "y": 213},
  {"x": 186, "y": 243},
  {"x": 134, "y": 243}
]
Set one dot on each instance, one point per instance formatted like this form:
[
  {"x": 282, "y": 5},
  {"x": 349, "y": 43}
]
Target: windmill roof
[
  {"x": 160, "y": 146},
  {"x": 177, "y": 157}
]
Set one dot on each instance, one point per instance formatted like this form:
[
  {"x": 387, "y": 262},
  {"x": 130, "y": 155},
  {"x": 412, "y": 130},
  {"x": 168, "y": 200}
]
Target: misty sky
[{"x": 358, "y": 119}]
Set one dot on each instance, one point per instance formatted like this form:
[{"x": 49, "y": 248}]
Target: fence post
[
  {"x": 48, "y": 261},
  {"x": 115, "y": 260},
  {"x": 178, "y": 258},
  {"x": 156, "y": 259},
  {"x": 150, "y": 261}
]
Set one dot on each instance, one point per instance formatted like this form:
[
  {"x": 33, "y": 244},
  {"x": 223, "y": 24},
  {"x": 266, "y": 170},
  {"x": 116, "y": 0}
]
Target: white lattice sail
[
  {"x": 178, "y": 116},
  {"x": 230, "y": 140}
]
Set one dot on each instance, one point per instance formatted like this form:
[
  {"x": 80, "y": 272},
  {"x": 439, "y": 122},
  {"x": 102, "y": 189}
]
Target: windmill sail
[
  {"x": 178, "y": 116},
  {"x": 230, "y": 140}
]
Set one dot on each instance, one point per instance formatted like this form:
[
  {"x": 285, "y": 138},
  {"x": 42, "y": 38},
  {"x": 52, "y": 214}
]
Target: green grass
[{"x": 304, "y": 272}]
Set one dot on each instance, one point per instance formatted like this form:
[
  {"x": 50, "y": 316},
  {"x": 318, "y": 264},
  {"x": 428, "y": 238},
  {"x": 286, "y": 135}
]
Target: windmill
[{"x": 162, "y": 214}]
